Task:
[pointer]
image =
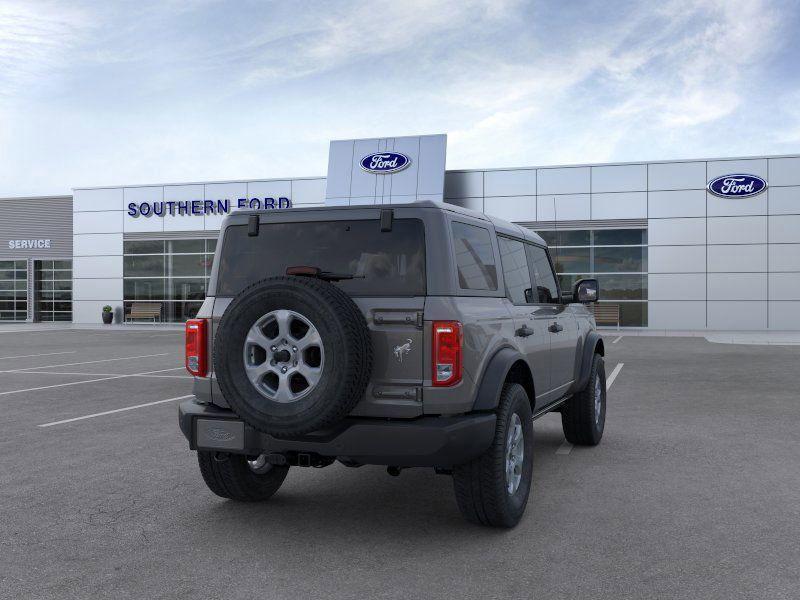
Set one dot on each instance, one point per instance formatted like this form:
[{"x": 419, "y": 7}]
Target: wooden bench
[
  {"x": 606, "y": 313},
  {"x": 144, "y": 310}
]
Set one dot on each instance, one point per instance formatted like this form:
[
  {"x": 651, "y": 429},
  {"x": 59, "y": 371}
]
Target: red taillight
[
  {"x": 196, "y": 359},
  {"x": 446, "y": 355}
]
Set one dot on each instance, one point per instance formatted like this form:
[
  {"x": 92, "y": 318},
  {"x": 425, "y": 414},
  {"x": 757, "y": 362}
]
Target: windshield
[{"x": 388, "y": 263}]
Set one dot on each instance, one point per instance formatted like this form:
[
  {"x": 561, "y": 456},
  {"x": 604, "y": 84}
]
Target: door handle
[
  {"x": 524, "y": 331},
  {"x": 555, "y": 328}
]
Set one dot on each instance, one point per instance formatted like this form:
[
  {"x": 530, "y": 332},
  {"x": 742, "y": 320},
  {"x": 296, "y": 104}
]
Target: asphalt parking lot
[{"x": 693, "y": 492}]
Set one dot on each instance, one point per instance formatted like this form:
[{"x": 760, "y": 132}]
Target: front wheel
[
  {"x": 493, "y": 489},
  {"x": 583, "y": 416},
  {"x": 238, "y": 477}
]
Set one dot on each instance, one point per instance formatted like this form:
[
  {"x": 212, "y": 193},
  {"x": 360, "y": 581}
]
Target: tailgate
[{"x": 398, "y": 345}]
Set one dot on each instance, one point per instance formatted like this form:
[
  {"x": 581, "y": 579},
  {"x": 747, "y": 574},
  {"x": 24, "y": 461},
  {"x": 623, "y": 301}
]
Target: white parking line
[
  {"x": 35, "y": 355},
  {"x": 566, "y": 447},
  {"x": 86, "y": 362},
  {"x": 616, "y": 340},
  {"x": 47, "y": 387},
  {"x": 187, "y": 376},
  {"x": 111, "y": 412},
  {"x": 610, "y": 379}
]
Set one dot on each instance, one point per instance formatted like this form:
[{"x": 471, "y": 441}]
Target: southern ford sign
[
  {"x": 385, "y": 163},
  {"x": 737, "y": 186},
  {"x": 203, "y": 207}
]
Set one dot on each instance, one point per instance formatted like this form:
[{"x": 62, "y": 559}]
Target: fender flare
[
  {"x": 591, "y": 346},
  {"x": 494, "y": 376}
]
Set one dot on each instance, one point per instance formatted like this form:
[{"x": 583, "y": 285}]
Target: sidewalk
[
  {"x": 783, "y": 338},
  {"x": 22, "y": 327}
]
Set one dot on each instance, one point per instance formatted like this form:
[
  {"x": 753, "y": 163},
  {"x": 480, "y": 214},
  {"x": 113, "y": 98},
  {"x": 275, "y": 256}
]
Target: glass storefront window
[
  {"x": 571, "y": 260},
  {"x": 620, "y": 237},
  {"x": 187, "y": 265},
  {"x": 13, "y": 290},
  {"x": 53, "y": 290},
  {"x": 631, "y": 314},
  {"x": 144, "y": 289},
  {"x": 188, "y": 289},
  {"x": 617, "y": 258},
  {"x": 186, "y": 246},
  {"x": 171, "y": 273},
  {"x": 143, "y": 247},
  {"x": 143, "y": 266},
  {"x": 574, "y": 237},
  {"x": 580, "y": 237},
  {"x": 620, "y": 260},
  {"x": 550, "y": 237},
  {"x": 622, "y": 287}
]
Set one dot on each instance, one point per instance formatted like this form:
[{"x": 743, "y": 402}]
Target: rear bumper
[{"x": 423, "y": 442}]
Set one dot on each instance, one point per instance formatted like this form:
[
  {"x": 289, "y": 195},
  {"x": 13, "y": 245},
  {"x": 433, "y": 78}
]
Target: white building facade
[{"x": 669, "y": 252}]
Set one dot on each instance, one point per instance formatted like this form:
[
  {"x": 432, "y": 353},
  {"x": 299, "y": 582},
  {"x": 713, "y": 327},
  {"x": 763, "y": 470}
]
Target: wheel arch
[
  {"x": 591, "y": 346},
  {"x": 506, "y": 366}
]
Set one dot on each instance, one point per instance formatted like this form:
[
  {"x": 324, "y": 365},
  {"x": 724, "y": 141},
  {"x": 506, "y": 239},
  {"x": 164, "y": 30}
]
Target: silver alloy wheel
[
  {"x": 259, "y": 465},
  {"x": 598, "y": 399},
  {"x": 283, "y": 356},
  {"x": 515, "y": 454}
]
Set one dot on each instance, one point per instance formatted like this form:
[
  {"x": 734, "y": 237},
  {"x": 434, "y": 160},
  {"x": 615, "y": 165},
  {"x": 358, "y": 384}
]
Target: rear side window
[
  {"x": 545, "y": 280},
  {"x": 474, "y": 257},
  {"x": 515, "y": 270},
  {"x": 388, "y": 263}
]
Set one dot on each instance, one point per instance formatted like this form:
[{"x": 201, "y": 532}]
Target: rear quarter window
[
  {"x": 388, "y": 263},
  {"x": 474, "y": 257}
]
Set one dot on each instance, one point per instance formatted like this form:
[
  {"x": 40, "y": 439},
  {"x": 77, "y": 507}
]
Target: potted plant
[{"x": 108, "y": 315}]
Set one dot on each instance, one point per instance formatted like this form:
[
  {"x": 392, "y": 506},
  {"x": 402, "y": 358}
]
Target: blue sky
[{"x": 95, "y": 93}]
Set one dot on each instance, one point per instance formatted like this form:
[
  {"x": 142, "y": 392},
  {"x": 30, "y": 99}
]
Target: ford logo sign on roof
[
  {"x": 384, "y": 163},
  {"x": 737, "y": 186}
]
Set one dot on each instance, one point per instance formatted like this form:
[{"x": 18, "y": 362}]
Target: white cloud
[
  {"x": 350, "y": 32},
  {"x": 664, "y": 67},
  {"x": 96, "y": 93},
  {"x": 34, "y": 39}
]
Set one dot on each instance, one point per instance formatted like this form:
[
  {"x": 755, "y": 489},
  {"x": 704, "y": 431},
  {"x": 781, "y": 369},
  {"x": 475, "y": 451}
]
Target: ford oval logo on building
[
  {"x": 737, "y": 186},
  {"x": 384, "y": 163}
]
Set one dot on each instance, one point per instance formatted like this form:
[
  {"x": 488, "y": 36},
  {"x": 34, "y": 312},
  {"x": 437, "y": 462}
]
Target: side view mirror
[
  {"x": 585, "y": 291},
  {"x": 529, "y": 295}
]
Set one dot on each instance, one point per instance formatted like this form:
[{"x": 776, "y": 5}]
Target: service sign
[
  {"x": 737, "y": 186},
  {"x": 385, "y": 163},
  {"x": 28, "y": 244}
]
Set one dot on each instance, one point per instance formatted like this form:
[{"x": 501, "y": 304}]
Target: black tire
[
  {"x": 347, "y": 355},
  {"x": 230, "y": 476},
  {"x": 481, "y": 485},
  {"x": 583, "y": 424}
]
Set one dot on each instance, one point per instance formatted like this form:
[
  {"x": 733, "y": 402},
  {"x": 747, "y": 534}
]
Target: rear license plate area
[{"x": 219, "y": 434}]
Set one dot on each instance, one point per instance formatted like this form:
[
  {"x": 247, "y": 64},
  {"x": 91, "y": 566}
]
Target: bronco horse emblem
[{"x": 403, "y": 349}]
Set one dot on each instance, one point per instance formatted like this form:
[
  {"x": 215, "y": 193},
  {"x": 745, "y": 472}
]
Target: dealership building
[{"x": 682, "y": 244}]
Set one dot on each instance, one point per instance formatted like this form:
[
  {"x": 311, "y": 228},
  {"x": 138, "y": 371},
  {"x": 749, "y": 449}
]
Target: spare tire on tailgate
[{"x": 292, "y": 355}]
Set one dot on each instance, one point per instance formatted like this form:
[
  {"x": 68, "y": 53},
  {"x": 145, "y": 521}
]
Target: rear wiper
[{"x": 303, "y": 271}]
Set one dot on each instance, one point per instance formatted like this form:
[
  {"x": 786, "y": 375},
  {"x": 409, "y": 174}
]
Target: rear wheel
[
  {"x": 493, "y": 489},
  {"x": 583, "y": 416},
  {"x": 238, "y": 477}
]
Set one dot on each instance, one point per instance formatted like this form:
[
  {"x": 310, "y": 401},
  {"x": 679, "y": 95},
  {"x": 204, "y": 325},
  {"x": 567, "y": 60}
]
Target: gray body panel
[{"x": 400, "y": 327}]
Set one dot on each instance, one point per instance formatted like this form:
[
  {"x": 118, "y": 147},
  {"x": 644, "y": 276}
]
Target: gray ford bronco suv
[{"x": 413, "y": 335}]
